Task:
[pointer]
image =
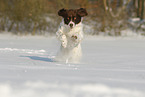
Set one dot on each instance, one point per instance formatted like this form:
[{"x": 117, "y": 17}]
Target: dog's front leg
[
  {"x": 62, "y": 38},
  {"x": 64, "y": 41},
  {"x": 77, "y": 39}
]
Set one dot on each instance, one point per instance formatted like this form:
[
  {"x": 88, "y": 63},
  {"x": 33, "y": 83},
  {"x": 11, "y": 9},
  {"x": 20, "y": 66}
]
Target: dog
[{"x": 70, "y": 34}]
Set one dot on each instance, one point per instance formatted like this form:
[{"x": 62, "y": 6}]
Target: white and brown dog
[{"x": 70, "y": 34}]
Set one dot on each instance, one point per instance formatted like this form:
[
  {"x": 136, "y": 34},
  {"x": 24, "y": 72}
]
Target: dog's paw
[
  {"x": 64, "y": 41},
  {"x": 74, "y": 37},
  {"x": 64, "y": 44}
]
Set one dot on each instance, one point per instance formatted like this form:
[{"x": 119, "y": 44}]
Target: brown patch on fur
[
  {"x": 73, "y": 15},
  {"x": 74, "y": 37},
  {"x": 72, "y": 12},
  {"x": 82, "y": 12}
]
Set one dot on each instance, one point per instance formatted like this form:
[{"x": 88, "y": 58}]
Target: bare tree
[{"x": 140, "y": 9}]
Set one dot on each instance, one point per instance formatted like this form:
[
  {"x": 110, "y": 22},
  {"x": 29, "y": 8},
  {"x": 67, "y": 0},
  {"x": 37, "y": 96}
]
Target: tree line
[{"x": 40, "y": 16}]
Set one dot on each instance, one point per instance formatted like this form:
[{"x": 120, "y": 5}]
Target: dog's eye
[{"x": 74, "y": 18}]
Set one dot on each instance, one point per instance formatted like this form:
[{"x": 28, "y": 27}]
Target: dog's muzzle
[{"x": 71, "y": 25}]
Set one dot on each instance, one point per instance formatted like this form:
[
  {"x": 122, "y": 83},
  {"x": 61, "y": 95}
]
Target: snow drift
[
  {"x": 41, "y": 89},
  {"x": 110, "y": 67}
]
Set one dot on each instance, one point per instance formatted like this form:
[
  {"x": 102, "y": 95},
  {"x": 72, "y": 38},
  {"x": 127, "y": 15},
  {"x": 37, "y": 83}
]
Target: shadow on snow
[{"x": 40, "y": 58}]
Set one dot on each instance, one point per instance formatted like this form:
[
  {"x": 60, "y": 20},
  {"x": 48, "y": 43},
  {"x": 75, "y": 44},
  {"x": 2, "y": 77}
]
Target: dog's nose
[{"x": 71, "y": 25}]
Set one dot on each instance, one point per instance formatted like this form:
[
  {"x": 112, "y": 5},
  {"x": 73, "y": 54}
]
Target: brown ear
[
  {"x": 82, "y": 12},
  {"x": 62, "y": 12}
]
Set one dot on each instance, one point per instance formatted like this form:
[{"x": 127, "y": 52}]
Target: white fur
[{"x": 70, "y": 50}]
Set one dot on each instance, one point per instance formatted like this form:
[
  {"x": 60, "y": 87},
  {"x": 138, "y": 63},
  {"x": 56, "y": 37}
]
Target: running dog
[{"x": 70, "y": 34}]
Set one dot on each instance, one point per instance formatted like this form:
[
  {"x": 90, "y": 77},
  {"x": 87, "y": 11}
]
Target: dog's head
[{"x": 72, "y": 17}]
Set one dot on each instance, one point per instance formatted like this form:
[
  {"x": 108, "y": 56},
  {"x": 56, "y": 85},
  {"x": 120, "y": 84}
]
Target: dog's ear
[
  {"x": 82, "y": 12},
  {"x": 62, "y": 12}
]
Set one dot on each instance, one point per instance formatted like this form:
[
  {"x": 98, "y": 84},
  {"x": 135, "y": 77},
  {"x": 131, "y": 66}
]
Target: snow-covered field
[{"x": 111, "y": 67}]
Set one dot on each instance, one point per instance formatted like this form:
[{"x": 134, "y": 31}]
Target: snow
[
  {"x": 40, "y": 89},
  {"x": 110, "y": 67}
]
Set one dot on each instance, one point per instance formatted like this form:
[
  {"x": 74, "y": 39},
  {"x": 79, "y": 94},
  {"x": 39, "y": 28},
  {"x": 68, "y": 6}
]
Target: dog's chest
[{"x": 69, "y": 32}]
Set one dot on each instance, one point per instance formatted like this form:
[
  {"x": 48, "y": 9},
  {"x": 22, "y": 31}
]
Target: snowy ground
[{"x": 111, "y": 67}]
